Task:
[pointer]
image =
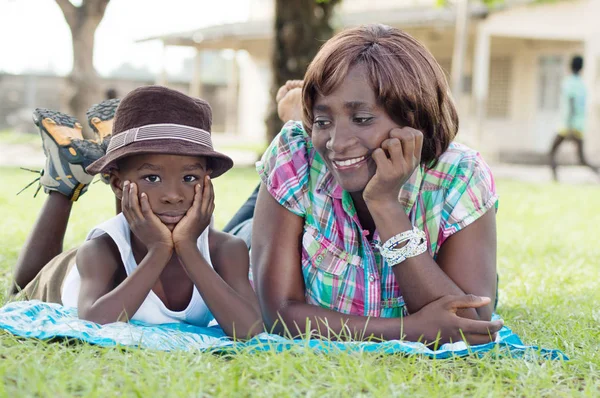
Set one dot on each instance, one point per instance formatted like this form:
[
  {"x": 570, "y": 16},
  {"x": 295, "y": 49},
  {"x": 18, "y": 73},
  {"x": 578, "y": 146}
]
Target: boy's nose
[
  {"x": 173, "y": 199},
  {"x": 172, "y": 195}
]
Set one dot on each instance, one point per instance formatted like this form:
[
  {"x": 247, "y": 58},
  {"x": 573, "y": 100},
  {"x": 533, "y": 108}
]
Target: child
[
  {"x": 158, "y": 261},
  {"x": 572, "y": 104}
]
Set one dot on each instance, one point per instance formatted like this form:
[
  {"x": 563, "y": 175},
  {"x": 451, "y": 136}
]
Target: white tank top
[{"x": 152, "y": 310}]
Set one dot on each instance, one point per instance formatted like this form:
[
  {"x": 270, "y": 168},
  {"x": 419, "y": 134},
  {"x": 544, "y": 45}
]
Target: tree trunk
[
  {"x": 83, "y": 79},
  {"x": 301, "y": 27}
]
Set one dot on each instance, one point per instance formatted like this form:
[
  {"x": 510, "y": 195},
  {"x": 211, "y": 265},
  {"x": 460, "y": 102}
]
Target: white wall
[{"x": 253, "y": 96}]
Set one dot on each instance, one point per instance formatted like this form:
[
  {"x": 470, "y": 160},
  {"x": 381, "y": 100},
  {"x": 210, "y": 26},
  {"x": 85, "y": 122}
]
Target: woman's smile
[{"x": 351, "y": 163}]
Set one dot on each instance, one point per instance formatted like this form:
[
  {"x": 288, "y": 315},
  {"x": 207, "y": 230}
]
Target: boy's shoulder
[
  {"x": 101, "y": 249},
  {"x": 218, "y": 240},
  {"x": 226, "y": 248}
]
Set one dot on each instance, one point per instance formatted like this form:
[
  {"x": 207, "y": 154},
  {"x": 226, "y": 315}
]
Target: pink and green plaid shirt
[{"x": 342, "y": 270}]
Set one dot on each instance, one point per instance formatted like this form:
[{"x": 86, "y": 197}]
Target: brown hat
[{"x": 155, "y": 119}]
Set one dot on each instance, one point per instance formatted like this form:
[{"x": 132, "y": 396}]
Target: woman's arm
[
  {"x": 98, "y": 262},
  {"x": 278, "y": 280},
  {"x": 466, "y": 261},
  {"x": 225, "y": 289}
]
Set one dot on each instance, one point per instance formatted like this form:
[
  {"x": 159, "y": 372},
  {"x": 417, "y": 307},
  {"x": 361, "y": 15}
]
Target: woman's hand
[
  {"x": 438, "y": 321},
  {"x": 197, "y": 218},
  {"x": 143, "y": 222},
  {"x": 396, "y": 161}
]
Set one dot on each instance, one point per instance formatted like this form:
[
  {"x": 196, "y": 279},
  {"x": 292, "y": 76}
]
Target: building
[{"x": 514, "y": 60}]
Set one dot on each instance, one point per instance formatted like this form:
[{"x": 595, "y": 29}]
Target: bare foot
[{"x": 289, "y": 101}]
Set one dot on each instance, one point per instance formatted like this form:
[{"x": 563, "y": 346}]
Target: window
[
  {"x": 500, "y": 86},
  {"x": 550, "y": 78}
]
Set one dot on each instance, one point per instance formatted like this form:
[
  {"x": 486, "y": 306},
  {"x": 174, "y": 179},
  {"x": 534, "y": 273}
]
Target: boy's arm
[
  {"x": 231, "y": 260},
  {"x": 225, "y": 288},
  {"x": 99, "y": 262}
]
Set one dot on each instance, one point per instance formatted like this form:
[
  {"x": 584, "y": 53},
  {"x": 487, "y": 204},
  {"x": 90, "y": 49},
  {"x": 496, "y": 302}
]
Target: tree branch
[
  {"x": 69, "y": 11},
  {"x": 95, "y": 8}
]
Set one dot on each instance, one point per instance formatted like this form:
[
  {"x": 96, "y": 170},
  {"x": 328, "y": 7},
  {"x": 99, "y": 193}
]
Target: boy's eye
[
  {"x": 152, "y": 178},
  {"x": 190, "y": 178}
]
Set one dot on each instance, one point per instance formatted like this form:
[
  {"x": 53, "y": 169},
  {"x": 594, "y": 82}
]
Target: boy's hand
[
  {"x": 143, "y": 222},
  {"x": 396, "y": 160},
  {"x": 438, "y": 320},
  {"x": 197, "y": 217}
]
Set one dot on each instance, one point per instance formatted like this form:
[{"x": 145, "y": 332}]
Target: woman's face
[{"x": 348, "y": 126}]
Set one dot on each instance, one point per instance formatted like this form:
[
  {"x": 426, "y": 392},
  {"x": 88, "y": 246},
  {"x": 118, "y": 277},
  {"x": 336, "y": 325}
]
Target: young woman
[{"x": 370, "y": 221}]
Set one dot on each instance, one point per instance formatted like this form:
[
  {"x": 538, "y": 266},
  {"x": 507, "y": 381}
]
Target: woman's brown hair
[{"x": 408, "y": 82}]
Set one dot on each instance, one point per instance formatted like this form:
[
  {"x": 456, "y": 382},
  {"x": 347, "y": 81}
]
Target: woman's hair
[{"x": 408, "y": 82}]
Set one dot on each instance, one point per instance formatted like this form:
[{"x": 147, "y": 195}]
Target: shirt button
[
  {"x": 319, "y": 259},
  {"x": 371, "y": 279}
]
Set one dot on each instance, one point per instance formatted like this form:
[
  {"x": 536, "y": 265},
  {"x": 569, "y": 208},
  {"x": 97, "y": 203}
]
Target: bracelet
[{"x": 417, "y": 244}]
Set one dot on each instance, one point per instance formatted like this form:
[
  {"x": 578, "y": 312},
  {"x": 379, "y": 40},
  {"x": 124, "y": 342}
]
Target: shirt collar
[{"x": 407, "y": 197}]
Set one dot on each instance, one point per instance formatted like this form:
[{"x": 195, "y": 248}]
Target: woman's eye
[
  {"x": 322, "y": 123},
  {"x": 152, "y": 178},
  {"x": 362, "y": 120},
  {"x": 190, "y": 178}
]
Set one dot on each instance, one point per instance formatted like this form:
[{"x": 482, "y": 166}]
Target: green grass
[
  {"x": 12, "y": 138},
  {"x": 256, "y": 147},
  {"x": 548, "y": 258}
]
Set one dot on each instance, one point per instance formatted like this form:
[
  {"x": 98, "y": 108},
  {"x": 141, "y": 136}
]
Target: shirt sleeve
[
  {"x": 284, "y": 168},
  {"x": 470, "y": 195}
]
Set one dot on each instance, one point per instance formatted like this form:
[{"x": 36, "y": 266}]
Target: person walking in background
[
  {"x": 111, "y": 93},
  {"x": 572, "y": 105}
]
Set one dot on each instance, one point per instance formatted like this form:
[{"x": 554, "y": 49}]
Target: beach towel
[{"x": 50, "y": 321}]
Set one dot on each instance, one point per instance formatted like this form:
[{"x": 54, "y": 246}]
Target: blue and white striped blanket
[{"x": 35, "y": 319}]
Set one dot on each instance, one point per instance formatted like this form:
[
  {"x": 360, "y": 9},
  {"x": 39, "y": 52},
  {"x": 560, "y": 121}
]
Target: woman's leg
[
  {"x": 245, "y": 212},
  {"x": 289, "y": 101},
  {"x": 289, "y": 107}
]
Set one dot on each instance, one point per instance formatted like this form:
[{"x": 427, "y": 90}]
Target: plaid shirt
[{"x": 342, "y": 270}]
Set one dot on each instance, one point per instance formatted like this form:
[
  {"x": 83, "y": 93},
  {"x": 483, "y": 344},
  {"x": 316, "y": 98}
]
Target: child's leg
[
  {"x": 100, "y": 118},
  {"x": 581, "y": 155},
  {"x": 45, "y": 240},
  {"x": 65, "y": 180},
  {"x": 557, "y": 141}
]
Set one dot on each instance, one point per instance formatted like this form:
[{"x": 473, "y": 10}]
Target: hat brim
[{"x": 218, "y": 162}]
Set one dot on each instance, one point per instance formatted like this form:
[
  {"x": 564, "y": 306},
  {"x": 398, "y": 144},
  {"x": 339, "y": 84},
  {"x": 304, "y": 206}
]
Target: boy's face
[
  {"x": 348, "y": 126},
  {"x": 168, "y": 180}
]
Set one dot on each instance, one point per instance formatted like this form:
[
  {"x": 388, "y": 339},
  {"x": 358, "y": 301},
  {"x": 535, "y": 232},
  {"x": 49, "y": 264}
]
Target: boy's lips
[{"x": 170, "y": 218}]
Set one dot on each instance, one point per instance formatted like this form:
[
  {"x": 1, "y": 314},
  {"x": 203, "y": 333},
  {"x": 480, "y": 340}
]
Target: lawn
[{"x": 548, "y": 260}]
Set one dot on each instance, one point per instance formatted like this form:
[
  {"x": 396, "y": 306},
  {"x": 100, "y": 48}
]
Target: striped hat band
[{"x": 163, "y": 131}]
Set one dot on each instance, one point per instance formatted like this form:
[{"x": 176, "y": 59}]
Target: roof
[{"x": 233, "y": 35}]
